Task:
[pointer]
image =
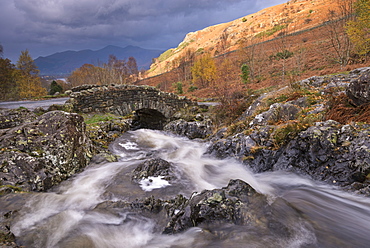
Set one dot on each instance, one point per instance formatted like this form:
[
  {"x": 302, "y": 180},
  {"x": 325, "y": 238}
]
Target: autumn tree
[
  {"x": 204, "y": 71},
  {"x": 26, "y": 64},
  {"x": 358, "y": 29},
  {"x": 7, "y": 82},
  {"x": 28, "y": 81},
  {"x": 227, "y": 85},
  {"x": 86, "y": 74},
  {"x": 117, "y": 69}
]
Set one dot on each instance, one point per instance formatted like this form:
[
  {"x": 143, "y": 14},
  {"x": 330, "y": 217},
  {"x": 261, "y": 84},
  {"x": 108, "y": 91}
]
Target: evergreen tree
[{"x": 55, "y": 87}]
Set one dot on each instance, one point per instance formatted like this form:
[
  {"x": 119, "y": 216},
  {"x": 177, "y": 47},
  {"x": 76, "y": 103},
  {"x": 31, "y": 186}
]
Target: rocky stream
[{"x": 190, "y": 185}]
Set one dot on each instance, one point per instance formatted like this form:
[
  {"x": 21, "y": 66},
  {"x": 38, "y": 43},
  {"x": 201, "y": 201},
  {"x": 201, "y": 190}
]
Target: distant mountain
[{"x": 67, "y": 61}]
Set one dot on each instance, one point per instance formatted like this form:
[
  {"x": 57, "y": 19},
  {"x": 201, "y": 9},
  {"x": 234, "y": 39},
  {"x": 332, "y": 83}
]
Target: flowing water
[{"x": 317, "y": 215}]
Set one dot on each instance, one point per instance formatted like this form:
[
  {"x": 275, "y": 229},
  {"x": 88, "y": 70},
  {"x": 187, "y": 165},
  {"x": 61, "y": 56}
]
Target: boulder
[
  {"x": 103, "y": 133},
  {"x": 277, "y": 112},
  {"x": 359, "y": 89},
  {"x": 237, "y": 204},
  {"x": 14, "y": 117},
  {"x": 153, "y": 168},
  {"x": 192, "y": 130},
  {"x": 37, "y": 155}
]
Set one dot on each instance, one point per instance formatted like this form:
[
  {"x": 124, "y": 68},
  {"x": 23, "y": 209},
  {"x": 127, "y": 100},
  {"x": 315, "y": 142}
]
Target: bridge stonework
[{"x": 124, "y": 99}]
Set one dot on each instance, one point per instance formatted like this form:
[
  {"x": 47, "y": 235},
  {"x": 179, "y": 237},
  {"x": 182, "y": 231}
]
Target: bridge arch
[{"x": 145, "y": 101}]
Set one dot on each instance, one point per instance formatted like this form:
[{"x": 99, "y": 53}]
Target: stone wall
[{"x": 124, "y": 99}]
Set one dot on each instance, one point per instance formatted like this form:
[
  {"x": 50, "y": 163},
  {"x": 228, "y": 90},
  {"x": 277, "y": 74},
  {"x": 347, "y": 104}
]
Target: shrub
[
  {"x": 245, "y": 73},
  {"x": 192, "y": 88},
  {"x": 178, "y": 87},
  {"x": 54, "y": 88}
]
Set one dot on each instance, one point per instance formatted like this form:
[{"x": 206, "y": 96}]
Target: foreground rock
[
  {"x": 237, "y": 205},
  {"x": 14, "y": 117},
  {"x": 37, "y": 155}
]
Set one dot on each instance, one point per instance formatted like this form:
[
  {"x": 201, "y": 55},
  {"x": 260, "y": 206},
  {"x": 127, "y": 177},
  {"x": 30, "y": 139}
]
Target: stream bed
[{"x": 310, "y": 214}]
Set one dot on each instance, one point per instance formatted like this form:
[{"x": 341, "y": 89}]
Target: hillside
[
  {"x": 67, "y": 61},
  {"x": 293, "y": 16},
  {"x": 278, "y": 45}
]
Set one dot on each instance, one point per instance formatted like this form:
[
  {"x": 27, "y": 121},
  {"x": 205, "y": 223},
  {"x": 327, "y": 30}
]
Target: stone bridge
[{"x": 149, "y": 105}]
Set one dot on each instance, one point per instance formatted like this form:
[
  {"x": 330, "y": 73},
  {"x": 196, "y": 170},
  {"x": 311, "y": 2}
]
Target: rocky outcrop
[
  {"x": 284, "y": 137},
  {"x": 37, "y": 155},
  {"x": 330, "y": 152}
]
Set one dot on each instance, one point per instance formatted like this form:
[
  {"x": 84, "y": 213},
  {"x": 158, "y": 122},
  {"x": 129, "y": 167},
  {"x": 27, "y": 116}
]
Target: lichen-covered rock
[
  {"x": 153, "y": 168},
  {"x": 192, "y": 129},
  {"x": 237, "y": 204},
  {"x": 40, "y": 154},
  {"x": 330, "y": 152},
  {"x": 14, "y": 117},
  {"x": 359, "y": 89},
  {"x": 105, "y": 132},
  {"x": 277, "y": 112}
]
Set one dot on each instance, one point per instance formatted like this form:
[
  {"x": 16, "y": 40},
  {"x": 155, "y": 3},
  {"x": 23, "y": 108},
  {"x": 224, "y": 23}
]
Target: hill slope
[
  {"x": 293, "y": 16},
  {"x": 67, "y": 61}
]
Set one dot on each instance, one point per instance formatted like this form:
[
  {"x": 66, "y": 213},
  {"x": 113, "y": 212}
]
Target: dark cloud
[{"x": 48, "y": 26}]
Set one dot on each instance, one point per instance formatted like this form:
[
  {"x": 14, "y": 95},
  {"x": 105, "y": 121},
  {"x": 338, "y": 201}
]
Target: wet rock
[
  {"x": 10, "y": 204},
  {"x": 104, "y": 157},
  {"x": 192, "y": 130},
  {"x": 237, "y": 204},
  {"x": 329, "y": 152},
  {"x": 40, "y": 154},
  {"x": 153, "y": 168},
  {"x": 359, "y": 88},
  {"x": 255, "y": 150}
]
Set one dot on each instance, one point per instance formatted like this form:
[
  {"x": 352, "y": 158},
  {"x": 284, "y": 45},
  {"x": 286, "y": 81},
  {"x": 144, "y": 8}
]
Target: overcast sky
[{"x": 45, "y": 27}]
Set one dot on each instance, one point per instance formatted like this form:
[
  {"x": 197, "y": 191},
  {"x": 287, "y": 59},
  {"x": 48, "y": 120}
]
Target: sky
[{"x": 45, "y": 27}]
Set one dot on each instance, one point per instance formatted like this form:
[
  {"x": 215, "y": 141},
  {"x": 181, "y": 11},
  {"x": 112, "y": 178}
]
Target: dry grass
[{"x": 343, "y": 112}]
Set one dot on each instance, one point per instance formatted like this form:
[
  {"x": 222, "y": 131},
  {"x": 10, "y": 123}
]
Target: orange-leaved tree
[{"x": 204, "y": 71}]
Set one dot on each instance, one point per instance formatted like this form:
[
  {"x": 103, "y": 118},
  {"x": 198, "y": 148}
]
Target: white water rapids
[{"x": 323, "y": 216}]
